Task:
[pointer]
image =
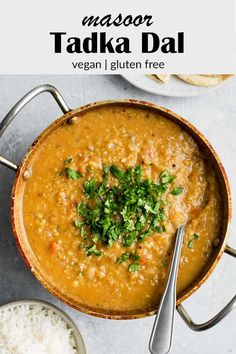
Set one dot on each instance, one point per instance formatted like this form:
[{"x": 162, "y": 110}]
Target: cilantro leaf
[
  {"x": 166, "y": 177},
  {"x": 68, "y": 160},
  {"x": 134, "y": 257},
  {"x": 81, "y": 209},
  {"x": 73, "y": 174},
  {"x": 176, "y": 191},
  {"x": 93, "y": 250},
  {"x": 124, "y": 257},
  {"x": 83, "y": 232},
  {"x": 78, "y": 223},
  {"x": 191, "y": 242},
  {"x": 134, "y": 267},
  {"x": 106, "y": 169},
  {"x": 90, "y": 188},
  {"x": 164, "y": 263},
  {"x": 117, "y": 172}
]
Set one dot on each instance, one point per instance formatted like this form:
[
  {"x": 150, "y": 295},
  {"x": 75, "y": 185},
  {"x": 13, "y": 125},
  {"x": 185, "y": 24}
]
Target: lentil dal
[{"x": 125, "y": 137}]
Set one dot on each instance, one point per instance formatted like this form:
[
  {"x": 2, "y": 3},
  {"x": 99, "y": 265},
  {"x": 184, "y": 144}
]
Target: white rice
[{"x": 34, "y": 329}]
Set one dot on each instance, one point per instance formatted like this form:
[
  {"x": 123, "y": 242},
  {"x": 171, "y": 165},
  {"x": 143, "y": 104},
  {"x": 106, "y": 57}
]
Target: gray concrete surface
[{"x": 215, "y": 115}]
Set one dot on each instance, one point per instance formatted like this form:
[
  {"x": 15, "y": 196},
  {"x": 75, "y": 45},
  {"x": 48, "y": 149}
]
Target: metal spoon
[{"x": 161, "y": 337}]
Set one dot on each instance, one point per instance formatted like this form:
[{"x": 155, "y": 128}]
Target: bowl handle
[
  {"x": 218, "y": 317},
  {"x": 21, "y": 104}
]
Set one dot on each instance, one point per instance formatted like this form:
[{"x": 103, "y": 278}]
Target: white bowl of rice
[{"x": 37, "y": 327}]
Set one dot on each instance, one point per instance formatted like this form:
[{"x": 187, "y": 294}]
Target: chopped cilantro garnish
[
  {"x": 130, "y": 210},
  {"x": 90, "y": 188},
  {"x": 93, "y": 250},
  {"x": 191, "y": 242},
  {"x": 73, "y": 174},
  {"x": 79, "y": 223},
  {"x": 134, "y": 267},
  {"x": 166, "y": 177},
  {"x": 68, "y": 160},
  {"x": 83, "y": 232},
  {"x": 116, "y": 172},
  {"x": 129, "y": 239},
  {"x": 144, "y": 235},
  {"x": 176, "y": 191},
  {"x": 106, "y": 169},
  {"x": 81, "y": 209},
  {"x": 95, "y": 239},
  {"x": 164, "y": 263},
  {"x": 124, "y": 257},
  {"x": 195, "y": 236},
  {"x": 134, "y": 257},
  {"x": 160, "y": 229}
]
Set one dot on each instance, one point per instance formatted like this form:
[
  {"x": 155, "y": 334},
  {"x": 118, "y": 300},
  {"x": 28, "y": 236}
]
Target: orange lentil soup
[{"x": 104, "y": 200}]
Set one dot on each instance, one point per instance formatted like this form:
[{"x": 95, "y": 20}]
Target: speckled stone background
[{"x": 215, "y": 115}]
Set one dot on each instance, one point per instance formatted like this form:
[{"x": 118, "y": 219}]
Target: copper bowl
[{"x": 18, "y": 190}]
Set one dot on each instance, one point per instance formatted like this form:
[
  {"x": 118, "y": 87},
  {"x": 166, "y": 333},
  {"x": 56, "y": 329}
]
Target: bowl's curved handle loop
[
  {"x": 21, "y": 104},
  {"x": 218, "y": 317}
]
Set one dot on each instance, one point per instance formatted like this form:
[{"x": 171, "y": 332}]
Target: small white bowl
[{"x": 78, "y": 338}]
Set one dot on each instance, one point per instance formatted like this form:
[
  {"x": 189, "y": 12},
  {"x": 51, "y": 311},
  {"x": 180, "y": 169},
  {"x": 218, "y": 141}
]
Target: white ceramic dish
[
  {"x": 174, "y": 88},
  {"x": 59, "y": 312}
]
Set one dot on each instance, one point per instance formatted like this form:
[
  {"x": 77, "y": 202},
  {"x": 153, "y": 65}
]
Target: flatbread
[
  {"x": 204, "y": 80},
  {"x": 163, "y": 77}
]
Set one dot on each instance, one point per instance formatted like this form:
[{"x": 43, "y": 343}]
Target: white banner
[{"x": 75, "y": 37}]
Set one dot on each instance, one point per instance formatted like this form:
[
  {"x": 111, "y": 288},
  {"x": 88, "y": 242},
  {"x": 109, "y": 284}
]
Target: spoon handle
[{"x": 161, "y": 337}]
